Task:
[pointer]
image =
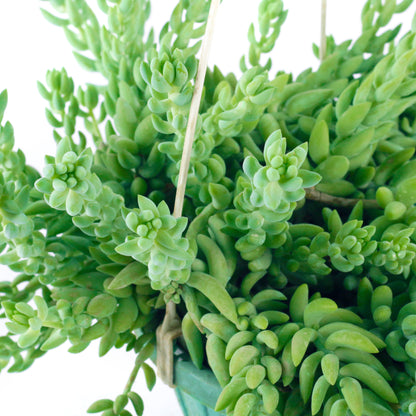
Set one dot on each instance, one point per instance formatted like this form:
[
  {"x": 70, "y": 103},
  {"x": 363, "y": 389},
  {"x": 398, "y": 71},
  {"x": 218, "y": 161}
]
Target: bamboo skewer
[
  {"x": 171, "y": 326},
  {"x": 322, "y": 49}
]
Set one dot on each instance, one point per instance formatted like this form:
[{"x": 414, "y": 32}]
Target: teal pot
[{"x": 197, "y": 390}]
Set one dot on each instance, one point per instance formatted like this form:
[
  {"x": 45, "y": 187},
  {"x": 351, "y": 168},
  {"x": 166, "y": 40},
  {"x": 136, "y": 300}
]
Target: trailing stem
[{"x": 315, "y": 195}]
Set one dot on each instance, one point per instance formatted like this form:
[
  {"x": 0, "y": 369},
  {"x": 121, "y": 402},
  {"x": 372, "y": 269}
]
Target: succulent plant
[{"x": 291, "y": 270}]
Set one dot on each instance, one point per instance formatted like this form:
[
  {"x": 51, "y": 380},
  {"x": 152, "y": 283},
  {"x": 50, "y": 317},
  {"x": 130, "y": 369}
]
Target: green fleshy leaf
[
  {"x": 3, "y": 104},
  {"x": 129, "y": 248},
  {"x": 100, "y": 406},
  {"x": 309, "y": 178},
  {"x": 58, "y": 199},
  {"x": 137, "y": 402},
  {"x": 74, "y": 203},
  {"x": 149, "y": 375}
]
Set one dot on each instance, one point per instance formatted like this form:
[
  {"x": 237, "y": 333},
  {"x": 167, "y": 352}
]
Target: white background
[{"x": 65, "y": 384}]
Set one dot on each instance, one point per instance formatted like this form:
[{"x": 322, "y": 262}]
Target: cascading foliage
[{"x": 294, "y": 265}]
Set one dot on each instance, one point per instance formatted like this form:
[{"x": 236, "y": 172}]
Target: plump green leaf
[{"x": 100, "y": 405}]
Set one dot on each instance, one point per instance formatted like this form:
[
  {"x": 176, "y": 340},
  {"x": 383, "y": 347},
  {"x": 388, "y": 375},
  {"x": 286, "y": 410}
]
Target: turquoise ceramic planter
[
  {"x": 197, "y": 390},
  {"x": 192, "y": 407}
]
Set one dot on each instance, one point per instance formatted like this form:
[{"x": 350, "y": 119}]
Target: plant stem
[
  {"x": 314, "y": 195},
  {"x": 100, "y": 142},
  {"x": 132, "y": 378}
]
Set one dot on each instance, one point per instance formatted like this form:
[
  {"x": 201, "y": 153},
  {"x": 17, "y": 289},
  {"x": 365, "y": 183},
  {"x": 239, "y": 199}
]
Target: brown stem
[{"x": 314, "y": 195}]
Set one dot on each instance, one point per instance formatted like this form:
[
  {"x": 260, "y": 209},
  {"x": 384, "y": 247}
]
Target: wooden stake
[
  {"x": 171, "y": 326},
  {"x": 322, "y": 49},
  {"x": 194, "y": 110}
]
